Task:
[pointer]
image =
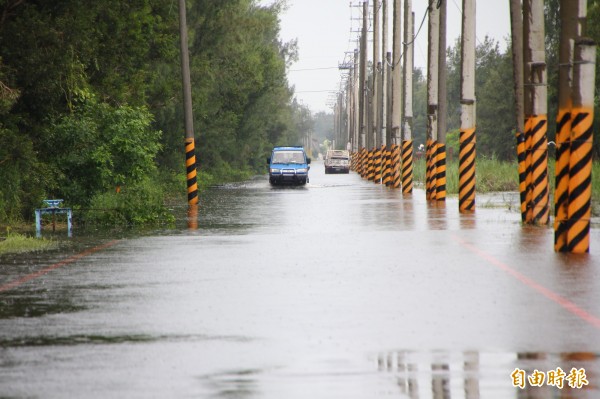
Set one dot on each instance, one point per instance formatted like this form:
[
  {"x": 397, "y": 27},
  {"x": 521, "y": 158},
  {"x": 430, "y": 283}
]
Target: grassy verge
[
  {"x": 493, "y": 175},
  {"x": 19, "y": 243}
]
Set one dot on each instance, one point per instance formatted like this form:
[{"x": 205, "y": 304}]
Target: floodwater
[{"x": 340, "y": 289}]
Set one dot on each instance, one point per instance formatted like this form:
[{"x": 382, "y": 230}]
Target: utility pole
[
  {"x": 572, "y": 17},
  {"x": 536, "y": 93},
  {"x": 432, "y": 99},
  {"x": 362, "y": 78},
  {"x": 397, "y": 72},
  {"x": 389, "y": 158},
  {"x": 407, "y": 84},
  {"x": 383, "y": 98},
  {"x": 580, "y": 160},
  {"x": 396, "y": 98},
  {"x": 384, "y": 75},
  {"x": 376, "y": 140},
  {"x": 466, "y": 195},
  {"x": 355, "y": 106},
  {"x": 190, "y": 153},
  {"x": 376, "y": 107},
  {"x": 516, "y": 28},
  {"x": 440, "y": 152},
  {"x": 349, "y": 115}
]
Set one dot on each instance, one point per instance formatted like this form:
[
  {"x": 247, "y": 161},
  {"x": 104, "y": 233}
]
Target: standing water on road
[{"x": 337, "y": 289}]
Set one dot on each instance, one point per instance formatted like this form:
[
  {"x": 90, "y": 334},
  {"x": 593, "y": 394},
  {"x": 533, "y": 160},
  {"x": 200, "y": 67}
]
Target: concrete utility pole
[
  {"x": 580, "y": 160},
  {"x": 516, "y": 25},
  {"x": 389, "y": 95},
  {"x": 395, "y": 99},
  {"x": 363, "y": 104},
  {"x": 384, "y": 69},
  {"x": 355, "y": 106},
  {"x": 375, "y": 115},
  {"x": 432, "y": 98},
  {"x": 397, "y": 72},
  {"x": 466, "y": 195},
  {"x": 407, "y": 122},
  {"x": 190, "y": 153},
  {"x": 440, "y": 156},
  {"x": 572, "y": 17},
  {"x": 536, "y": 109},
  {"x": 349, "y": 117}
]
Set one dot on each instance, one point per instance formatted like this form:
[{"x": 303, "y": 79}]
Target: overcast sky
[{"x": 325, "y": 32}]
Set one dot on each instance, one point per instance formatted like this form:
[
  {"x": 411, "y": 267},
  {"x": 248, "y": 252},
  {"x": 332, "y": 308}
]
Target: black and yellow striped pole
[
  {"x": 580, "y": 160},
  {"x": 539, "y": 170},
  {"x": 190, "y": 164},
  {"x": 466, "y": 159},
  {"x": 572, "y": 16},
  {"x": 190, "y": 157},
  {"x": 407, "y": 166},
  {"x": 536, "y": 109},
  {"x": 396, "y": 171},
  {"x": 371, "y": 165},
  {"x": 466, "y": 166},
  {"x": 428, "y": 146},
  {"x": 440, "y": 170},
  {"x": 561, "y": 186},
  {"x": 387, "y": 167},
  {"x": 521, "y": 157},
  {"x": 377, "y": 165},
  {"x": 432, "y": 191},
  {"x": 364, "y": 163}
]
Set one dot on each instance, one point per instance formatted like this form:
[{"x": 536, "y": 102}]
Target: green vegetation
[
  {"x": 17, "y": 243},
  {"x": 494, "y": 89},
  {"x": 493, "y": 175},
  {"x": 90, "y": 100}
]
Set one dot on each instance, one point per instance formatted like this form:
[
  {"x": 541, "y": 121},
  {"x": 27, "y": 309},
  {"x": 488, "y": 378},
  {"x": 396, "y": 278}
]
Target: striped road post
[
  {"x": 580, "y": 160},
  {"x": 539, "y": 170},
  {"x": 561, "y": 190},
  {"x": 440, "y": 170},
  {"x": 190, "y": 164},
  {"x": 387, "y": 167},
  {"x": 521, "y": 158},
  {"x": 407, "y": 166}
]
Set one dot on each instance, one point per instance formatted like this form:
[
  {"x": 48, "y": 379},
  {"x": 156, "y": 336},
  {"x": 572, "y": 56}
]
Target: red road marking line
[
  {"x": 553, "y": 296},
  {"x": 29, "y": 277}
]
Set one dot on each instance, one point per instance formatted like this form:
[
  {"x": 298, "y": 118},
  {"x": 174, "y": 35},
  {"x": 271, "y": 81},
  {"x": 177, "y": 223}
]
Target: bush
[{"x": 141, "y": 204}]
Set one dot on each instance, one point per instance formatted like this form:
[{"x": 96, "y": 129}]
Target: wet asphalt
[{"x": 339, "y": 289}]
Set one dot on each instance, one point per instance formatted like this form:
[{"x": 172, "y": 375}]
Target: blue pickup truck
[{"x": 288, "y": 165}]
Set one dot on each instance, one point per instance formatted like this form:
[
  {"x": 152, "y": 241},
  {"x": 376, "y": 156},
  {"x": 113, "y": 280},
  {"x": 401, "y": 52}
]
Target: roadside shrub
[{"x": 140, "y": 204}]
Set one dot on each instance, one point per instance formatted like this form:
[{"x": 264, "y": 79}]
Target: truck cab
[{"x": 288, "y": 165}]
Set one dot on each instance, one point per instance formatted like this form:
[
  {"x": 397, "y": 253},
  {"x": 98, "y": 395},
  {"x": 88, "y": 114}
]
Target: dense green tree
[{"x": 84, "y": 92}]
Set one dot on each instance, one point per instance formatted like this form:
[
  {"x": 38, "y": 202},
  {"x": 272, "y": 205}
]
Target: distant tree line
[{"x": 90, "y": 95}]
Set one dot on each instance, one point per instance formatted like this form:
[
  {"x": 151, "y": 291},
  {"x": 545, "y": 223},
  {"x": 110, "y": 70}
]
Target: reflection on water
[
  {"x": 192, "y": 216},
  {"x": 474, "y": 375},
  {"x": 238, "y": 384}
]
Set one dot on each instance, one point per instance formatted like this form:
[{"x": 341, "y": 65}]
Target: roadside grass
[
  {"x": 19, "y": 243},
  {"x": 493, "y": 175}
]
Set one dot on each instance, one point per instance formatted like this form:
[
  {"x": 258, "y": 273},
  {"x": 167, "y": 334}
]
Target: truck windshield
[{"x": 288, "y": 157}]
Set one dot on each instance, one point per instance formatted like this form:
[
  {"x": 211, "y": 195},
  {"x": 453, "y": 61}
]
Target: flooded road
[{"x": 340, "y": 289}]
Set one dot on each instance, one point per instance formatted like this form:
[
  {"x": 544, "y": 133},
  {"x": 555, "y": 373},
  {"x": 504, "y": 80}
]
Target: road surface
[{"x": 340, "y": 289}]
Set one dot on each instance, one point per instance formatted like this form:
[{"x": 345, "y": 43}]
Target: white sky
[{"x": 323, "y": 29}]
